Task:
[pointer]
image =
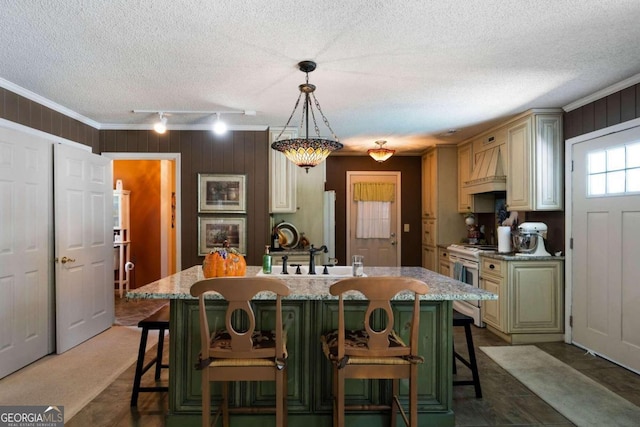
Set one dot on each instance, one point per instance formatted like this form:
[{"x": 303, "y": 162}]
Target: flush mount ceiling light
[
  {"x": 219, "y": 127},
  {"x": 380, "y": 154},
  {"x": 161, "y": 125},
  {"x": 307, "y": 151}
]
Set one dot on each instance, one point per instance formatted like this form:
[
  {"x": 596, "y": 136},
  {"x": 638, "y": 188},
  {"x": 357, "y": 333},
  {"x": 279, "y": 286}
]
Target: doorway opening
[{"x": 155, "y": 231}]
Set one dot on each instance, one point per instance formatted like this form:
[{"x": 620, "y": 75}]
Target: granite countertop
[
  {"x": 441, "y": 288},
  {"x": 512, "y": 256}
]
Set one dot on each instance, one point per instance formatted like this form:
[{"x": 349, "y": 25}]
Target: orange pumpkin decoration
[{"x": 224, "y": 262}]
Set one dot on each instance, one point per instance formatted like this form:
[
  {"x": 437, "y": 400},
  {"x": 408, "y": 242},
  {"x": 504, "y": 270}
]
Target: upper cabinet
[
  {"x": 523, "y": 156},
  {"x": 282, "y": 176},
  {"x": 465, "y": 166},
  {"x": 429, "y": 184},
  {"x": 535, "y": 161}
]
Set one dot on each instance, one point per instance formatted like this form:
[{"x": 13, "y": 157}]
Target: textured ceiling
[{"x": 404, "y": 71}]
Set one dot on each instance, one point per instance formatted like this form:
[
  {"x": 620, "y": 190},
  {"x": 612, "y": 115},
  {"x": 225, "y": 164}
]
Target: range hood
[{"x": 488, "y": 173}]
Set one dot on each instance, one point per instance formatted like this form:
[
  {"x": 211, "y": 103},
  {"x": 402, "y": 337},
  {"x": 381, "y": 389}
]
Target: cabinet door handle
[{"x": 491, "y": 266}]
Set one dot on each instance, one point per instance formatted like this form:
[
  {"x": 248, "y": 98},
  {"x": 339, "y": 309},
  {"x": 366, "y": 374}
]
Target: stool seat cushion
[
  {"x": 357, "y": 339},
  {"x": 221, "y": 340}
]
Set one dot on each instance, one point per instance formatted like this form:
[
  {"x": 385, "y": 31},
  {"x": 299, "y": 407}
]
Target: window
[{"x": 614, "y": 171}]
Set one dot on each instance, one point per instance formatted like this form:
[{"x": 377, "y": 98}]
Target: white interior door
[
  {"x": 25, "y": 249},
  {"x": 84, "y": 245},
  {"x": 606, "y": 246},
  {"x": 382, "y": 252}
]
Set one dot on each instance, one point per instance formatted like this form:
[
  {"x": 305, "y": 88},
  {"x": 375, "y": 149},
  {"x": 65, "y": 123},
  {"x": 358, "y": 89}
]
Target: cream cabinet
[
  {"x": 530, "y": 303},
  {"x": 465, "y": 166},
  {"x": 429, "y": 184},
  {"x": 441, "y": 223},
  {"x": 444, "y": 266},
  {"x": 535, "y": 162},
  {"x": 429, "y": 257},
  {"x": 282, "y": 177}
]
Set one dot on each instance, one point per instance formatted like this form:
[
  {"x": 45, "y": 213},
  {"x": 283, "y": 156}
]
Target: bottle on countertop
[
  {"x": 266, "y": 261},
  {"x": 275, "y": 241}
]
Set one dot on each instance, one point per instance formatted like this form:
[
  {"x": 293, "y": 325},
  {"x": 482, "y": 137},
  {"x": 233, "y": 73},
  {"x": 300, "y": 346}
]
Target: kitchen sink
[{"x": 334, "y": 271}]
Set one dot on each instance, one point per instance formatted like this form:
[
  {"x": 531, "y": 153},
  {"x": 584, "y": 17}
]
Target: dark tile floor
[{"x": 505, "y": 402}]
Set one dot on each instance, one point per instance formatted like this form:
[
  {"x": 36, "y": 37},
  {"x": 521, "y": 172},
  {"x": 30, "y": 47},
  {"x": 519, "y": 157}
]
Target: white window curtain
[
  {"x": 374, "y": 220},
  {"x": 374, "y": 209}
]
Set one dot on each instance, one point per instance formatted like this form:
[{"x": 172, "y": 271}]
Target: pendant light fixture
[
  {"x": 380, "y": 154},
  {"x": 307, "y": 151},
  {"x": 161, "y": 125}
]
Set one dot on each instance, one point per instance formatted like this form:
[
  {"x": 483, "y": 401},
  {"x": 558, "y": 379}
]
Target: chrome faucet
[{"x": 312, "y": 257}]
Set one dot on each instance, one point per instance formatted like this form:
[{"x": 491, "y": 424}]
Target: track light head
[
  {"x": 161, "y": 125},
  {"x": 219, "y": 127}
]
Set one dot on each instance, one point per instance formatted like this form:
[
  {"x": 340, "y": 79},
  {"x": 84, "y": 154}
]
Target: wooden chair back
[
  {"x": 238, "y": 292},
  {"x": 379, "y": 291}
]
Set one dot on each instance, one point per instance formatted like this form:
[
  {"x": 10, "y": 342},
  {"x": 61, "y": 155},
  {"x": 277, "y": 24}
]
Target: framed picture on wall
[
  {"x": 222, "y": 193},
  {"x": 213, "y": 232}
]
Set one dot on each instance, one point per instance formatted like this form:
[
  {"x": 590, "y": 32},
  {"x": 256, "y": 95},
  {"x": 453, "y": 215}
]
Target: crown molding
[
  {"x": 110, "y": 126},
  {"x": 47, "y": 103},
  {"x": 603, "y": 93}
]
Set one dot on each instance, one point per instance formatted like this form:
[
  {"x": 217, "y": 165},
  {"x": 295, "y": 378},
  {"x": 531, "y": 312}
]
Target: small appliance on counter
[{"x": 529, "y": 239}]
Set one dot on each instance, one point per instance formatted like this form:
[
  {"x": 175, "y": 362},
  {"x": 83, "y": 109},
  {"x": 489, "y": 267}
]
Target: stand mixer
[{"x": 529, "y": 240}]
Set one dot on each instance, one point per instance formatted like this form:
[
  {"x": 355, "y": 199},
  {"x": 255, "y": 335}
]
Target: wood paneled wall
[
  {"x": 616, "y": 108},
  {"x": 203, "y": 152},
  {"x": 411, "y": 170},
  {"x": 22, "y": 110}
]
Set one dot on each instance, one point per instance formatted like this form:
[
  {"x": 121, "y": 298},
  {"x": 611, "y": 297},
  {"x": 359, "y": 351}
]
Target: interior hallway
[{"x": 505, "y": 402}]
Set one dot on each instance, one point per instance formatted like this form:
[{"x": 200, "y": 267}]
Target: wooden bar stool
[
  {"x": 242, "y": 352},
  {"x": 375, "y": 354},
  {"x": 460, "y": 319},
  {"x": 158, "y": 321}
]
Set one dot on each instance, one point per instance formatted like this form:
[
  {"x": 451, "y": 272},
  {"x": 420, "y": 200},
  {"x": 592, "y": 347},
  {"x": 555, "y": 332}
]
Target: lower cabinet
[
  {"x": 429, "y": 255},
  {"x": 309, "y": 373},
  {"x": 530, "y": 304},
  {"x": 444, "y": 265}
]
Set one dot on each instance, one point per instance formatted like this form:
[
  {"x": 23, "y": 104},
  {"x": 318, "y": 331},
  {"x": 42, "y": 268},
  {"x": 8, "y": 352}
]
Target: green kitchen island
[{"x": 309, "y": 311}]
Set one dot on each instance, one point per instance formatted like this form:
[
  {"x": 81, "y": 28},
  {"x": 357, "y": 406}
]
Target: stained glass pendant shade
[{"x": 307, "y": 151}]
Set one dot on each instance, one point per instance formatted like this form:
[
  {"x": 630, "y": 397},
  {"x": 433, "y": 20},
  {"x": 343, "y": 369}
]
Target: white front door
[
  {"x": 378, "y": 252},
  {"x": 84, "y": 245},
  {"x": 606, "y": 246},
  {"x": 25, "y": 249}
]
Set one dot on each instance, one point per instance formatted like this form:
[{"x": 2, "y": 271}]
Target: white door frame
[
  {"x": 162, "y": 156},
  {"x": 568, "y": 146},
  {"x": 398, "y": 203}
]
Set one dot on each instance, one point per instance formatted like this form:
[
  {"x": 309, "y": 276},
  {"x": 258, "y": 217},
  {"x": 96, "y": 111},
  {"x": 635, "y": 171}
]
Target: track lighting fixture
[
  {"x": 161, "y": 125},
  {"x": 219, "y": 127}
]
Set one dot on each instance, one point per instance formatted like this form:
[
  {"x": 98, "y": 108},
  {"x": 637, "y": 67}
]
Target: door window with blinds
[{"x": 614, "y": 171}]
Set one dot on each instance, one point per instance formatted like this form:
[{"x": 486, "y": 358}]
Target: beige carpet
[
  {"x": 74, "y": 378},
  {"x": 580, "y": 399}
]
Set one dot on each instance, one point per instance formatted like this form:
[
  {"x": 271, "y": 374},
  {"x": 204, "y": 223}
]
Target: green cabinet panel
[{"x": 309, "y": 373}]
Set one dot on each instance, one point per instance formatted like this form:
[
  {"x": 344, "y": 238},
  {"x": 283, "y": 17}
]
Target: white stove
[
  {"x": 471, "y": 252},
  {"x": 465, "y": 266}
]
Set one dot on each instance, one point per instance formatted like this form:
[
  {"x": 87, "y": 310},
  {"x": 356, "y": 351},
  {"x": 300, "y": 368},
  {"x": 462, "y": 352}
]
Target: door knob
[{"x": 65, "y": 260}]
